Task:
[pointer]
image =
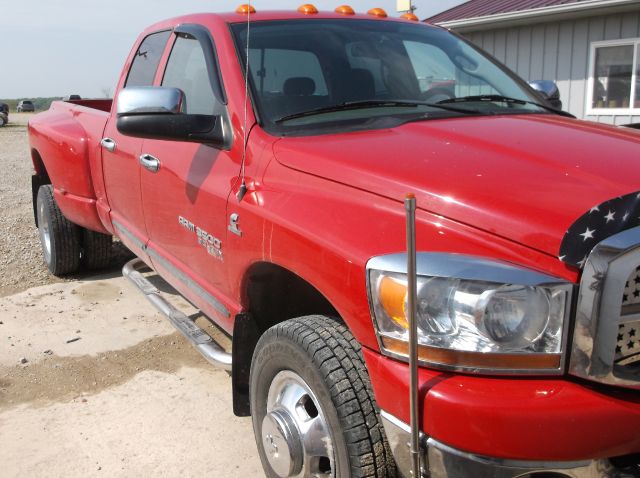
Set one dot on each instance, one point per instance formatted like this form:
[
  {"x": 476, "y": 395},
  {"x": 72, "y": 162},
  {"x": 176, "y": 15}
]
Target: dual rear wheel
[{"x": 66, "y": 246}]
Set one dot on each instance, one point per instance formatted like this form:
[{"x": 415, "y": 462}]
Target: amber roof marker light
[
  {"x": 308, "y": 9},
  {"x": 410, "y": 16},
  {"x": 245, "y": 9},
  {"x": 377, "y": 12},
  {"x": 345, "y": 10}
]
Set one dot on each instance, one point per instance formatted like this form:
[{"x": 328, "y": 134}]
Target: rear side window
[
  {"x": 187, "y": 70},
  {"x": 147, "y": 58}
]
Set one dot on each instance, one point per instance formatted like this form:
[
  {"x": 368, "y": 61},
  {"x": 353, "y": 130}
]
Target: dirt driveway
[{"x": 93, "y": 382}]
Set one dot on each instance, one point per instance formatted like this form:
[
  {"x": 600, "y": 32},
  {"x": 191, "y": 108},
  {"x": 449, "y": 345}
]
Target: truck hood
[{"x": 526, "y": 178}]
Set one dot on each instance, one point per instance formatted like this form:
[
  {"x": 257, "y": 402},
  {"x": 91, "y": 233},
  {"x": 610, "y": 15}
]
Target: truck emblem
[
  {"x": 233, "y": 224},
  {"x": 209, "y": 242}
]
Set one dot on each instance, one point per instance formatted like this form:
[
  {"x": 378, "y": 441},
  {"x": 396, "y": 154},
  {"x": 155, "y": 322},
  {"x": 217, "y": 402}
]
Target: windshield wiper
[
  {"x": 356, "y": 105},
  {"x": 503, "y": 99}
]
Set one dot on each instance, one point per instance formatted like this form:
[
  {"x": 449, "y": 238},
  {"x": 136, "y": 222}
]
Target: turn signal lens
[
  {"x": 393, "y": 297},
  {"x": 458, "y": 358},
  {"x": 345, "y": 10},
  {"x": 307, "y": 9},
  {"x": 410, "y": 16},
  {"x": 245, "y": 9},
  {"x": 377, "y": 12}
]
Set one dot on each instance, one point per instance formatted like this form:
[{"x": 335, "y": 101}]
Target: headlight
[{"x": 473, "y": 314}]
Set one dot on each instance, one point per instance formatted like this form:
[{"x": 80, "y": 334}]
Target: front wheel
[{"x": 312, "y": 405}]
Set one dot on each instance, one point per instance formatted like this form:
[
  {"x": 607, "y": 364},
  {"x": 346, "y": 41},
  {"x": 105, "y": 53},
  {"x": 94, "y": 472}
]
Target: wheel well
[
  {"x": 272, "y": 295},
  {"x": 40, "y": 178}
]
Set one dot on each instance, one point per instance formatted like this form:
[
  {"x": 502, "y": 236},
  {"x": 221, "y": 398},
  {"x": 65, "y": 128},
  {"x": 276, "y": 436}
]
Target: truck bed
[
  {"x": 98, "y": 104},
  {"x": 65, "y": 148}
]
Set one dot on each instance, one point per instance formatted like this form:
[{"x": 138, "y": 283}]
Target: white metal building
[{"x": 590, "y": 48}]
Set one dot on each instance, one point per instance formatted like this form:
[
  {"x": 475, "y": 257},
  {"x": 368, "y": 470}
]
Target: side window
[
  {"x": 145, "y": 63},
  {"x": 271, "y": 68},
  {"x": 187, "y": 70}
]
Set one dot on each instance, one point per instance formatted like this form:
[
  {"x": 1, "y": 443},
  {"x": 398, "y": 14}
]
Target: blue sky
[{"x": 62, "y": 47}]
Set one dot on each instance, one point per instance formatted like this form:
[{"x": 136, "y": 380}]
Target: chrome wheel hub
[
  {"x": 282, "y": 443},
  {"x": 45, "y": 232},
  {"x": 295, "y": 433}
]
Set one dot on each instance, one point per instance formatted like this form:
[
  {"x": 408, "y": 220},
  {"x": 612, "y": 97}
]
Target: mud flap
[{"x": 37, "y": 180}]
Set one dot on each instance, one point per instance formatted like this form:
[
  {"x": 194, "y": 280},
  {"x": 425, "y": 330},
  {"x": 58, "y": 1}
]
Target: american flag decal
[{"x": 602, "y": 221}]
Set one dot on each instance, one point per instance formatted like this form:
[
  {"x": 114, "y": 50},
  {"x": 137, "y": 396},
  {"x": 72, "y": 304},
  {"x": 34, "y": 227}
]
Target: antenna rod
[
  {"x": 412, "y": 286},
  {"x": 243, "y": 185}
]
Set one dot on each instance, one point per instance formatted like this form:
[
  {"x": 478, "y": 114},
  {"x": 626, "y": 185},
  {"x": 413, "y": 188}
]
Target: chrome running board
[{"x": 203, "y": 342}]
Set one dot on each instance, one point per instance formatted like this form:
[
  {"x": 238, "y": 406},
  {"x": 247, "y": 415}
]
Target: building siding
[{"x": 560, "y": 51}]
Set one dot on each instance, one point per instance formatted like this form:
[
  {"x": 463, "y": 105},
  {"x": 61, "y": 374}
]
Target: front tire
[
  {"x": 60, "y": 238},
  {"x": 312, "y": 404}
]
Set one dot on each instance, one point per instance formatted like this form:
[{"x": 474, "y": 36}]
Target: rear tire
[
  {"x": 312, "y": 404},
  {"x": 96, "y": 250},
  {"x": 60, "y": 238}
]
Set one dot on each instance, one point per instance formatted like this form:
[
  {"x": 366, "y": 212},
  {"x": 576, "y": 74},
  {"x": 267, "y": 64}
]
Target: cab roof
[{"x": 262, "y": 15}]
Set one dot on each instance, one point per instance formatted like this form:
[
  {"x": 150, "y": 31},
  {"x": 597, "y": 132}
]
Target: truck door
[
  {"x": 185, "y": 196},
  {"x": 121, "y": 167}
]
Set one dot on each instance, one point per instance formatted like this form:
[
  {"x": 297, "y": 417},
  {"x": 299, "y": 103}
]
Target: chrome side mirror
[
  {"x": 157, "y": 112},
  {"x": 150, "y": 99},
  {"x": 549, "y": 91}
]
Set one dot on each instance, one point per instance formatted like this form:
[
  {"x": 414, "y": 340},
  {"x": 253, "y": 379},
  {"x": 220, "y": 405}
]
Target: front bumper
[
  {"x": 511, "y": 426},
  {"x": 441, "y": 461}
]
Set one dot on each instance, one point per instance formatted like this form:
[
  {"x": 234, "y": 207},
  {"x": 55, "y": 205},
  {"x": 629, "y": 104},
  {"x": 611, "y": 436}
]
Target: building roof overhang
[{"x": 538, "y": 15}]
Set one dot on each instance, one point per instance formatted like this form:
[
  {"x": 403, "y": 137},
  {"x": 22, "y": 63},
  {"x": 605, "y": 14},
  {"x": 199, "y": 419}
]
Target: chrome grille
[
  {"x": 631, "y": 294},
  {"x": 606, "y": 338},
  {"x": 628, "y": 340},
  {"x": 628, "y": 346}
]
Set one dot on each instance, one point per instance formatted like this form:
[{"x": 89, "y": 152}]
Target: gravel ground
[
  {"x": 20, "y": 254},
  {"x": 21, "y": 259}
]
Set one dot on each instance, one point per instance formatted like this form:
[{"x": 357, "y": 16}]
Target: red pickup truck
[{"x": 273, "y": 201}]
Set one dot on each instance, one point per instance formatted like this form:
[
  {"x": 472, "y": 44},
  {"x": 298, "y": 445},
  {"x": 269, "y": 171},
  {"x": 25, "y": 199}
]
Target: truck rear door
[{"x": 121, "y": 153}]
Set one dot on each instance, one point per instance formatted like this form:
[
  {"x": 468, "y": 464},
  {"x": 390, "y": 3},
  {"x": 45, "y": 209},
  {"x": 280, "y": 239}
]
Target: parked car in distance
[
  {"x": 25, "y": 106},
  {"x": 4, "y": 114}
]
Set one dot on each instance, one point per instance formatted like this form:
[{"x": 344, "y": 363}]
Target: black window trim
[{"x": 203, "y": 36}]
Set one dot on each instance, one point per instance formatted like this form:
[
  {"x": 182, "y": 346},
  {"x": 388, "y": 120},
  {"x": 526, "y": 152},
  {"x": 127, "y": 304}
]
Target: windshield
[{"x": 310, "y": 76}]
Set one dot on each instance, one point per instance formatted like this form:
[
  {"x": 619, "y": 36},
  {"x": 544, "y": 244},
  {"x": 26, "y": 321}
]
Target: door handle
[
  {"x": 149, "y": 162},
  {"x": 108, "y": 144}
]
